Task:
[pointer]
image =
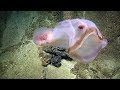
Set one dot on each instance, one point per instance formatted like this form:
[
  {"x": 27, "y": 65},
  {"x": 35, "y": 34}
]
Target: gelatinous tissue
[{"x": 81, "y": 38}]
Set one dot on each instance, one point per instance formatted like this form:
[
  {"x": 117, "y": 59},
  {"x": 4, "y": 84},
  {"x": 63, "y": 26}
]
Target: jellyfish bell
[
  {"x": 80, "y": 37},
  {"x": 88, "y": 46}
]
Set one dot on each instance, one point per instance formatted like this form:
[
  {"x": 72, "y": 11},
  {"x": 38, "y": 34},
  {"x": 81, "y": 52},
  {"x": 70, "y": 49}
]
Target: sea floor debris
[{"x": 56, "y": 55}]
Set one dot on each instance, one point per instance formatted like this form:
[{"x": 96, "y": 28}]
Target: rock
[
  {"x": 118, "y": 40},
  {"x": 56, "y": 55},
  {"x": 63, "y": 72},
  {"x": 107, "y": 65},
  {"x": 117, "y": 75},
  {"x": 22, "y": 63},
  {"x": 103, "y": 67},
  {"x": 17, "y": 25}
]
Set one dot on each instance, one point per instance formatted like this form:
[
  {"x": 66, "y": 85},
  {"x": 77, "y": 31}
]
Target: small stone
[
  {"x": 57, "y": 54},
  {"x": 55, "y": 61},
  {"x": 57, "y": 64}
]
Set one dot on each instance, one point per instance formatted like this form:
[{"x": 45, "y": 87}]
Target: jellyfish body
[
  {"x": 81, "y": 38},
  {"x": 42, "y": 36}
]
